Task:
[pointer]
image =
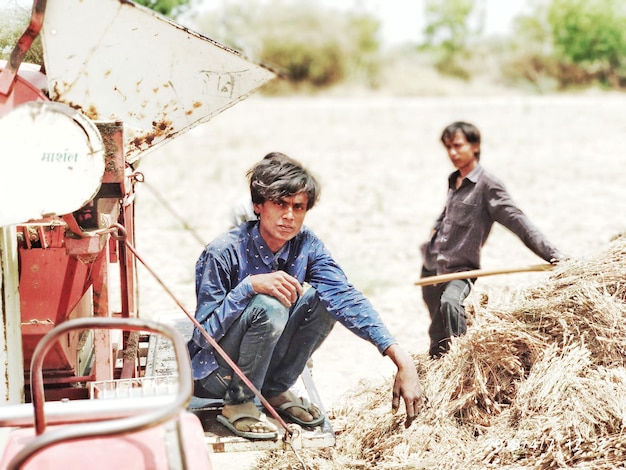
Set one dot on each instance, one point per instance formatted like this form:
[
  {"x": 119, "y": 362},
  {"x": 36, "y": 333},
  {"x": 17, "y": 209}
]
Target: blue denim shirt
[
  {"x": 224, "y": 290},
  {"x": 466, "y": 221}
]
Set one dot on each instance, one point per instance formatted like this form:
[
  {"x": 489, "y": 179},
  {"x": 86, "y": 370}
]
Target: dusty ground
[{"x": 383, "y": 173}]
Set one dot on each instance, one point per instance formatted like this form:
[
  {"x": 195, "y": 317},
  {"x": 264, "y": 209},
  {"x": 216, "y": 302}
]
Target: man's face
[
  {"x": 282, "y": 220},
  {"x": 461, "y": 152}
]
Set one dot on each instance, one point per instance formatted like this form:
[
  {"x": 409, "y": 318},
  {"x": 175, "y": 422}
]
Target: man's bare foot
[
  {"x": 246, "y": 417},
  {"x": 296, "y": 409}
]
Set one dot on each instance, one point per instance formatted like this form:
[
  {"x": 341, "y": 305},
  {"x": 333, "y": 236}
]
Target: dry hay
[{"x": 539, "y": 381}]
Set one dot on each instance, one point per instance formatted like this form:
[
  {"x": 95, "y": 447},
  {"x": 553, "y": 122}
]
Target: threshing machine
[{"x": 118, "y": 81}]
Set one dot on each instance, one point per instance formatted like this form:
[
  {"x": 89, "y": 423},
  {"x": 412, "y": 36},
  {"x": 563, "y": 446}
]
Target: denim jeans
[
  {"x": 271, "y": 344},
  {"x": 447, "y": 313}
]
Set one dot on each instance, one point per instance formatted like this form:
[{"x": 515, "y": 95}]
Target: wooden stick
[{"x": 427, "y": 281}]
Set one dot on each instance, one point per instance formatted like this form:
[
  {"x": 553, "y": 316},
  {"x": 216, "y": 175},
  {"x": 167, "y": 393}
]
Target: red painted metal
[
  {"x": 66, "y": 264},
  {"x": 21, "y": 92},
  {"x": 158, "y": 438},
  {"x": 143, "y": 450},
  {"x": 7, "y": 76},
  {"x": 14, "y": 89},
  {"x": 51, "y": 286}
]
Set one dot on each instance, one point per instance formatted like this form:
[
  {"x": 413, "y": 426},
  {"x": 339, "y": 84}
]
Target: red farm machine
[{"x": 118, "y": 80}]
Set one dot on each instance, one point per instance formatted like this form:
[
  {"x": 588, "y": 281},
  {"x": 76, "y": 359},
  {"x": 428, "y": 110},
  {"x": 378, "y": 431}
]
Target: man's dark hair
[
  {"x": 470, "y": 131},
  {"x": 278, "y": 176}
]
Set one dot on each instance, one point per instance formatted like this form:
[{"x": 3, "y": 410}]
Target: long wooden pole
[{"x": 427, "y": 281}]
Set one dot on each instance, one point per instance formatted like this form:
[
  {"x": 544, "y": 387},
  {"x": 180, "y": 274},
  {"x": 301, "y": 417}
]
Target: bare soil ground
[{"x": 383, "y": 172}]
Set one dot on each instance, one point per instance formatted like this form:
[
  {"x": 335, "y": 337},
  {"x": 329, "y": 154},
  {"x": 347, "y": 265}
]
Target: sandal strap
[
  {"x": 236, "y": 417},
  {"x": 303, "y": 404}
]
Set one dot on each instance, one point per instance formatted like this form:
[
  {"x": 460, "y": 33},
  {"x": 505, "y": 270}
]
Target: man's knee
[
  {"x": 454, "y": 294},
  {"x": 310, "y": 300},
  {"x": 450, "y": 304},
  {"x": 268, "y": 310},
  {"x": 268, "y": 303},
  {"x": 315, "y": 309}
]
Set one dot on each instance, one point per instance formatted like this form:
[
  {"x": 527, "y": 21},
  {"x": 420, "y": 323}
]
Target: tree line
[{"x": 559, "y": 45}]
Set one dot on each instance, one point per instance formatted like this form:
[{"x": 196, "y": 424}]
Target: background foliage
[
  {"x": 311, "y": 46},
  {"x": 166, "y": 7},
  {"x": 449, "y": 34},
  {"x": 561, "y": 45}
]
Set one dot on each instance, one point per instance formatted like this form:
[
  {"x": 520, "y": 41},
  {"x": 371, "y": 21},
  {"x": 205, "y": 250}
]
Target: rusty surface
[
  {"x": 112, "y": 136},
  {"x": 113, "y": 75},
  {"x": 161, "y": 130}
]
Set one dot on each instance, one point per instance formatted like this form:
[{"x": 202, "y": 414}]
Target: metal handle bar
[{"x": 102, "y": 428}]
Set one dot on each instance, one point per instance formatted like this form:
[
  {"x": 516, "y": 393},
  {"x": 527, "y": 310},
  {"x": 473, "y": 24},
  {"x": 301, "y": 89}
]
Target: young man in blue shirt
[{"x": 252, "y": 300}]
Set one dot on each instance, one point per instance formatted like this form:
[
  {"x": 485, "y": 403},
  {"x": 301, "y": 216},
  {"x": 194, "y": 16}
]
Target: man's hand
[
  {"x": 278, "y": 284},
  {"x": 406, "y": 384},
  {"x": 555, "y": 261}
]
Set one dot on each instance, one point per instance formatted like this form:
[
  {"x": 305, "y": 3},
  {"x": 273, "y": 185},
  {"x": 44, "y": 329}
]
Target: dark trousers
[
  {"x": 447, "y": 313},
  {"x": 271, "y": 344}
]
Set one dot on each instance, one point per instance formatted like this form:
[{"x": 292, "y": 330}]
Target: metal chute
[{"x": 136, "y": 66}]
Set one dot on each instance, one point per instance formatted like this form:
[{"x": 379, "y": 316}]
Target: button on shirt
[
  {"x": 466, "y": 221},
  {"x": 224, "y": 289}
]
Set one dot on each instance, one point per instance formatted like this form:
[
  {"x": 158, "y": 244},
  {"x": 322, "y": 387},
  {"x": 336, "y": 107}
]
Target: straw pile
[{"x": 539, "y": 381}]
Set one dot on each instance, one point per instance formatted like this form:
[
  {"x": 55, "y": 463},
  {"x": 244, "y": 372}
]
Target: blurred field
[{"x": 383, "y": 173}]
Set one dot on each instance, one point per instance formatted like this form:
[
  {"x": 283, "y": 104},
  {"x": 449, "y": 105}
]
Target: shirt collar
[
  {"x": 471, "y": 176},
  {"x": 265, "y": 253},
  {"x": 475, "y": 173}
]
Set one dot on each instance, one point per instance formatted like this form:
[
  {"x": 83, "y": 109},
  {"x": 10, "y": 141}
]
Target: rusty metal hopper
[{"x": 115, "y": 60}]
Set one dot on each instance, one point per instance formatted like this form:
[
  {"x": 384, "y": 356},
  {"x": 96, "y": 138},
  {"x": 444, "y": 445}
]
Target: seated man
[{"x": 252, "y": 301}]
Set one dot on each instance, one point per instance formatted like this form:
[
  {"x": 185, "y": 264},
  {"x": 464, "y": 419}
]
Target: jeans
[
  {"x": 447, "y": 313},
  {"x": 271, "y": 344}
]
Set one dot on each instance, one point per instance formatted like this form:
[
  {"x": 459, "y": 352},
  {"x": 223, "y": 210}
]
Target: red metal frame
[
  {"x": 65, "y": 268},
  {"x": 111, "y": 437}
]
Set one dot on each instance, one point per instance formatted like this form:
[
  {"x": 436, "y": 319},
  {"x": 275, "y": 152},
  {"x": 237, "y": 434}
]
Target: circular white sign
[{"x": 51, "y": 162}]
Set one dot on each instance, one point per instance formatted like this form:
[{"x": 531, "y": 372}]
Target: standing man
[
  {"x": 476, "y": 199},
  {"x": 252, "y": 300}
]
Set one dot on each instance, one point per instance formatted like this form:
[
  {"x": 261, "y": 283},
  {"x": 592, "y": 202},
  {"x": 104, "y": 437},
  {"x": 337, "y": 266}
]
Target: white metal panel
[{"x": 116, "y": 60}]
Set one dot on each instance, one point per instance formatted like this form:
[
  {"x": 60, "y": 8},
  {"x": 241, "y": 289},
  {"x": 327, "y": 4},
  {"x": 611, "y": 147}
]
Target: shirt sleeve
[
  {"x": 504, "y": 211},
  {"x": 343, "y": 301},
  {"x": 219, "y": 302}
]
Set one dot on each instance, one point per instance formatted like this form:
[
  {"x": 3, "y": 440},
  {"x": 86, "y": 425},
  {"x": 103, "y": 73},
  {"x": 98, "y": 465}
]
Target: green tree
[
  {"x": 450, "y": 32},
  {"x": 13, "y": 24},
  {"x": 527, "y": 57},
  {"x": 591, "y": 34},
  {"x": 570, "y": 43}
]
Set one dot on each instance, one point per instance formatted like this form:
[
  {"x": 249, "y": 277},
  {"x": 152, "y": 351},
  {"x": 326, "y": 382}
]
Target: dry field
[{"x": 383, "y": 173}]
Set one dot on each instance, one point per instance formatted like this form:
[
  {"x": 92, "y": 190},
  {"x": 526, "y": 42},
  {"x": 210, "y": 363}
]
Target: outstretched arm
[
  {"x": 406, "y": 384},
  {"x": 504, "y": 211}
]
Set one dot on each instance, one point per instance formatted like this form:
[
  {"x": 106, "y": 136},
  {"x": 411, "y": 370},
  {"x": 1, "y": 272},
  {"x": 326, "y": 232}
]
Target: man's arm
[
  {"x": 278, "y": 284},
  {"x": 219, "y": 302},
  {"x": 504, "y": 211},
  {"x": 406, "y": 384},
  {"x": 354, "y": 311}
]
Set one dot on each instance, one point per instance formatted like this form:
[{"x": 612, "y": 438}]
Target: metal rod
[
  {"x": 7, "y": 75},
  {"x": 109, "y": 427},
  {"x": 171, "y": 210},
  {"x": 83, "y": 411}
]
